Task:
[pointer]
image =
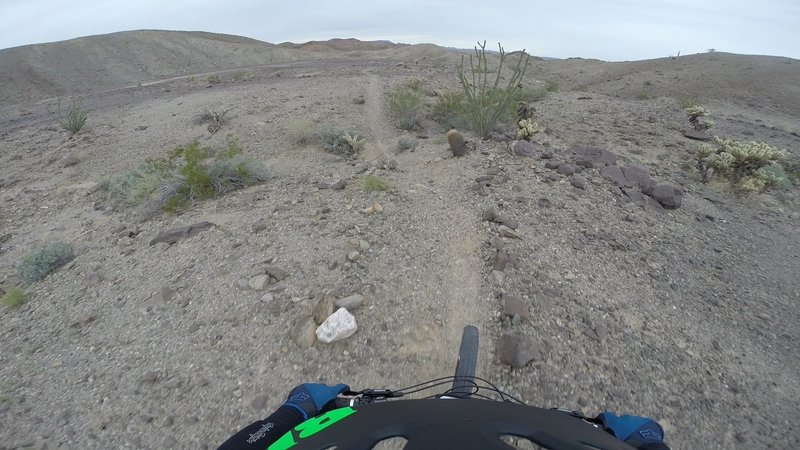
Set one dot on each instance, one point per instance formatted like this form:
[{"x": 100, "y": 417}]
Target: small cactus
[{"x": 457, "y": 143}]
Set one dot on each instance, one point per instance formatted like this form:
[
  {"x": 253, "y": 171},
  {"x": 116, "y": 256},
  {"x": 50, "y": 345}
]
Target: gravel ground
[{"x": 687, "y": 315}]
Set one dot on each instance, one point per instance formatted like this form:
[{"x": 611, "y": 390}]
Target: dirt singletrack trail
[{"x": 449, "y": 238}]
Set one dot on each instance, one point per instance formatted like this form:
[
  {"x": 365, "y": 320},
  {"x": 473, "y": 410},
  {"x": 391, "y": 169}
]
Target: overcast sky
[{"x": 606, "y": 29}]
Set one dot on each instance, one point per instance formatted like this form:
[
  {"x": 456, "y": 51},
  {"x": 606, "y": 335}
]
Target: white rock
[{"x": 340, "y": 325}]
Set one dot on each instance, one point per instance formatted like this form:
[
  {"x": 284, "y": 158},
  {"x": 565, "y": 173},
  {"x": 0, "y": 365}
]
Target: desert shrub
[
  {"x": 687, "y": 103},
  {"x": 696, "y": 115},
  {"x": 449, "y": 109},
  {"x": 187, "y": 175},
  {"x": 406, "y": 143},
  {"x": 749, "y": 166},
  {"x": 44, "y": 261},
  {"x": 13, "y": 298},
  {"x": 551, "y": 86},
  {"x": 74, "y": 120},
  {"x": 526, "y": 128},
  {"x": 405, "y": 106},
  {"x": 486, "y": 102},
  {"x": 374, "y": 183},
  {"x": 301, "y": 131},
  {"x": 214, "y": 79},
  {"x": 214, "y": 118},
  {"x": 340, "y": 141}
]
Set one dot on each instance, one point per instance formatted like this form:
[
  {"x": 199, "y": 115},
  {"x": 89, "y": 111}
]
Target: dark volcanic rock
[
  {"x": 637, "y": 176},
  {"x": 524, "y": 148},
  {"x": 517, "y": 351},
  {"x": 670, "y": 197},
  {"x": 586, "y": 156}
]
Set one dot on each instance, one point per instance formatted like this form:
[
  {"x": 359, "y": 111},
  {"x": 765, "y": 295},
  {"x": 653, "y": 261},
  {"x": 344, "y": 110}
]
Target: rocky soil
[{"x": 601, "y": 273}]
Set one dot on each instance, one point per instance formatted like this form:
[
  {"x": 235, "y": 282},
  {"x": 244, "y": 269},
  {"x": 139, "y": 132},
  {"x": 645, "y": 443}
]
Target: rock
[
  {"x": 267, "y": 298},
  {"x": 568, "y": 169},
  {"x": 497, "y": 243},
  {"x": 350, "y": 303},
  {"x": 259, "y": 402},
  {"x": 484, "y": 179},
  {"x": 258, "y": 282},
  {"x": 586, "y": 156},
  {"x": 303, "y": 332},
  {"x": 524, "y": 148},
  {"x": 635, "y": 196},
  {"x": 501, "y": 260},
  {"x": 176, "y": 234},
  {"x": 670, "y": 197},
  {"x": 547, "y": 153},
  {"x": 363, "y": 245},
  {"x": 259, "y": 226},
  {"x": 69, "y": 160},
  {"x": 164, "y": 294},
  {"x": 276, "y": 273},
  {"x": 94, "y": 278},
  {"x": 375, "y": 208},
  {"x": 323, "y": 185},
  {"x": 515, "y": 306},
  {"x": 490, "y": 213},
  {"x": 359, "y": 100},
  {"x": 339, "y": 185},
  {"x": 506, "y": 220},
  {"x": 499, "y": 277},
  {"x": 340, "y": 325},
  {"x": 505, "y": 231},
  {"x": 552, "y": 164},
  {"x": 353, "y": 256},
  {"x": 632, "y": 218},
  {"x": 615, "y": 174},
  {"x": 553, "y": 176},
  {"x": 579, "y": 182},
  {"x": 516, "y": 350},
  {"x": 323, "y": 309},
  {"x": 697, "y": 135},
  {"x": 637, "y": 176}
]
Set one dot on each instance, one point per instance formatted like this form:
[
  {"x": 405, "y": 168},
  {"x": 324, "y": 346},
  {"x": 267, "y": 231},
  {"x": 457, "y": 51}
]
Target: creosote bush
[
  {"x": 187, "y": 175},
  {"x": 374, "y": 183},
  {"x": 44, "y": 261},
  {"x": 448, "y": 110},
  {"x": 486, "y": 102},
  {"x": 13, "y": 298},
  {"x": 406, "y": 143},
  {"x": 301, "y": 131},
  {"x": 744, "y": 164},
  {"x": 405, "y": 105}
]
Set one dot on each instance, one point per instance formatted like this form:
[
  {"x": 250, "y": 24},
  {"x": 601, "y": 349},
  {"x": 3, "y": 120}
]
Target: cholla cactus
[
  {"x": 744, "y": 163},
  {"x": 527, "y": 128},
  {"x": 695, "y": 113},
  {"x": 355, "y": 142}
]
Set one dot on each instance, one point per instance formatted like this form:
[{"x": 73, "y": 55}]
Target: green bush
[
  {"x": 74, "y": 120},
  {"x": 405, "y": 106},
  {"x": 487, "y": 102},
  {"x": 187, "y": 175},
  {"x": 749, "y": 166},
  {"x": 341, "y": 141},
  {"x": 373, "y": 183},
  {"x": 449, "y": 110},
  {"x": 44, "y": 261},
  {"x": 13, "y": 298},
  {"x": 406, "y": 143},
  {"x": 301, "y": 131}
]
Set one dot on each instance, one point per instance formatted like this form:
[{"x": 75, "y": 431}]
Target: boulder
[
  {"x": 515, "y": 306},
  {"x": 516, "y": 350},
  {"x": 637, "y": 176},
  {"x": 524, "y": 148},
  {"x": 614, "y": 174},
  {"x": 668, "y": 196},
  {"x": 587, "y": 156}
]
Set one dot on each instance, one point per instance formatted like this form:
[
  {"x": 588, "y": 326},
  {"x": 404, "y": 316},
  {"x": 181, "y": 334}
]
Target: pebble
[
  {"x": 354, "y": 256},
  {"x": 375, "y": 208},
  {"x": 499, "y": 277},
  {"x": 258, "y": 282},
  {"x": 259, "y": 402},
  {"x": 579, "y": 182},
  {"x": 267, "y": 298},
  {"x": 505, "y": 231},
  {"x": 351, "y": 302},
  {"x": 363, "y": 245},
  {"x": 501, "y": 260},
  {"x": 259, "y": 226},
  {"x": 340, "y": 325}
]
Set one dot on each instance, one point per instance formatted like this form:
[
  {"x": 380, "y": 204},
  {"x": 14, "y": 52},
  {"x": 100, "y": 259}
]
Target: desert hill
[{"x": 602, "y": 271}]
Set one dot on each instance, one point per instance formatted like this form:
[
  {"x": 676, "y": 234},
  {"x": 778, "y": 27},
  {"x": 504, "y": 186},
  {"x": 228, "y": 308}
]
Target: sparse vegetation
[
  {"x": 744, "y": 164},
  {"x": 244, "y": 76},
  {"x": 74, "y": 120},
  {"x": 44, "y": 261},
  {"x": 687, "y": 103},
  {"x": 485, "y": 102},
  {"x": 374, "y": 183},
  {"x": 406, "y": 143},
  {"x": 301, "y": 131},
  {"x": 449, "y": 110},
  {"x": 13, "y": 298},
  {"x": 187, "y": 175},
  {"x": 341, "y": 142},
  {"x": 527, "y": 128},
  {"x": 405, "y": 105},
  {"x": 696, "y": 115},
  {"x": 215, "y": 119},
  {"x": 213, "y": 79},
  {"x": 551, "y": 86}
]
